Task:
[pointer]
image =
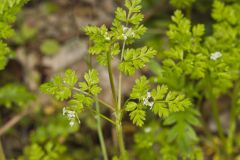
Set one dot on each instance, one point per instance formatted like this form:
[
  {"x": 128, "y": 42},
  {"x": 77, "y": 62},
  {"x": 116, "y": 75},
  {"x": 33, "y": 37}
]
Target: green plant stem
[
  {"x": 2, "y": 155},
  {"x": 119, "y": 129},
  {"x": 100, "y": 133},
  {"x": 217, "y": 118},
  {"x": 110, "y": 75},
  {"x": 123, "y": 153},
  {"x": 102, "y": 116},
  {"x": 96, "y": 99},
  {"x": 119, "y": 113},
  {"x": 204, "y": 125},
  {"x": 232, "y": 123},
  {"x": 231, "y": 132}
]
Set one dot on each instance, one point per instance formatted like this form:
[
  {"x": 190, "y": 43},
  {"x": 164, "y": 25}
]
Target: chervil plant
[
  {"x": 10, "y": 94},
  {"x": 205, "y": 68},
  {"x": 8, "y": 11},
  {"x": 182, "y": 3},
  {"x": 109, "y": 44}
]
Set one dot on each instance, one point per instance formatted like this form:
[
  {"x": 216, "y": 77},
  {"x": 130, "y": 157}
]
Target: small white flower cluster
[
  {"x": 216, "y": 55},
  {"x": 127, "y": 32},
  {"x": 146, "y": 100},
  {"x": 71, "y": 115}
]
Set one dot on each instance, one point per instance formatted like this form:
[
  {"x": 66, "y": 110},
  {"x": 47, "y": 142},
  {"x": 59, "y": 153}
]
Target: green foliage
[
  {"x": 140, "y": 88},
  {"x": 139, "y": 92},
  {"x": 160, "y": 100},
  {"x": 50, "y": 151},
  {"x": 56, "y": 129},
  {"x": 182, "y": 132},
  {"x": 91, "y": 84},
  {"x": 221, "y": 12},
  {"x": 99, "y": 35},
  {"x": 14, "y": 94},
  {"x": 6, "y": 4},
  {"x": 135, "y": 59},
  {"x": 125, "y": 27},
  {"x": 47, "y": 140},
  {"x": 204, "y": 68},
  {"x": 152, "y": 143},
  {"x": 182, "y": 3},
  {"x": 8, "y": 11},
  {"x": 144, "y": 142},
  {"x": 166, "y": 102},
  {"x": 186, "y": 55},
  {"x": 196, "y": 68},
  {"x": 61, "y": 86},
  {"x": 224, "y": 71},
  {"x": 191, "y": 58},
  {"x": 187, "y": 68}
]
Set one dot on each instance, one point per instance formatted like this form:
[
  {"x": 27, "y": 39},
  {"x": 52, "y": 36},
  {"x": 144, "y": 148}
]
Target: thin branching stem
[
  {"x": 119, "y": 111},
  {"x": 118, "y": 107},
  {"x": 102, "y": 116},
  {"x": 110, "y": 75},
  {"x": 100, "y": 133},
  {"x": 232, "y": 123},
  {"x": 96, "y": 99},
  {"x": 99, "y": 123},
  {"x": 216, "y": 117}
]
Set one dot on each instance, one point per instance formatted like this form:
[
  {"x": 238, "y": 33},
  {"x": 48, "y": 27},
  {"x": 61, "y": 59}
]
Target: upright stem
[
  {"x": 123, "y": 152},
  {"x": 100, "y": 133},
  {"x": 95, "y": 98},
  {"x": 204, "y": 125},
  {"x": 119, "y": 113},
  {"x": 117, "y": 102},
  {"x": 2, "y": 155},
  {"x": 110, "y": 74},
  {"x": 102, "y": 116},
  {"x": 232, "y": 123},
  {"x": 217, "y": 118},
  {"x": 99, "y": 126},
  {"x": 213, "y": 101}
]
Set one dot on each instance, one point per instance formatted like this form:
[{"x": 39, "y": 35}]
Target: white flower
[
  {"x": 147, "y": 129},
  {"x": 216, "y": 55},
  {"x": 125, "y": 29},
  {"x": 147, "y": 102},
  {"x": 127, "y": 32},
  {"x": 70, "y": 114},
  {"x": 71, "y": 123},
  {"x": 148, "y": 95},
  {"x": 150, "y": 104}
]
